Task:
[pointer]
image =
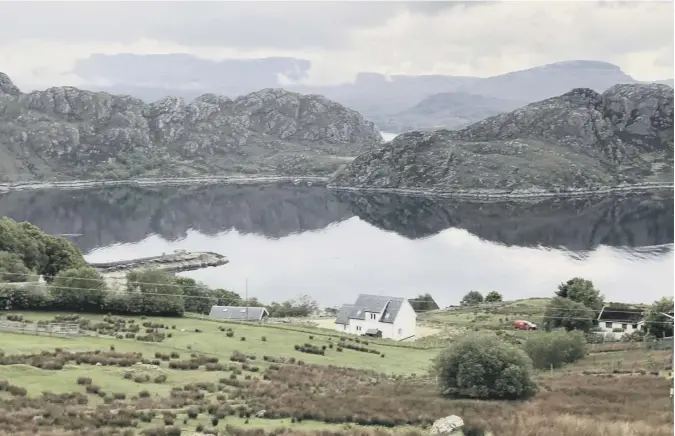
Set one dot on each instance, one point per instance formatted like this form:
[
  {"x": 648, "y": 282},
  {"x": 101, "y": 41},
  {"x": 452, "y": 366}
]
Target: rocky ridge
[
  {"x": 578, "y": 142},
  {"x": 70, "y": 132}
]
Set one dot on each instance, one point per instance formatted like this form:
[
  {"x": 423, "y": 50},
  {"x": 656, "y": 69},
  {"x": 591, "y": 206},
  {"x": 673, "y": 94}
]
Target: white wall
[
  {"x": 406, "y": 321},
  {"x": 607, "y": 329}
]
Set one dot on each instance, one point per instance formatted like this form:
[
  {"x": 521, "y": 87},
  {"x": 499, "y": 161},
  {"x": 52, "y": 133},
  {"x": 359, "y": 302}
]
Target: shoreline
[
  {"x": 167, "y": 181},
  {"x": 495, "y": 194},
  {"x": 466, "y": 194}
]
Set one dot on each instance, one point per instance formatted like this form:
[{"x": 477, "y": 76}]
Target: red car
[{"x": 524, "y": 325}]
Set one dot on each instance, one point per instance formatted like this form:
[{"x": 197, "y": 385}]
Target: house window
[
  {"x": 358, "y": 328},
  {"x": 400, "y": 332},
  {"x": 608, "y": 325},
  {"x": 373, "y": 316},
  {"x": 634, "y": 326},
  {"x": 624, "y": 326}
]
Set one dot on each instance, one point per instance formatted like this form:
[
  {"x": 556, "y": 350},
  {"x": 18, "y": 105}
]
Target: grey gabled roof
[
  {"x": 343, "y": 315},
  {"x": 389, "y": 306},
  {"x": 609, "y": 313},
  {"x": 236, "y": 313}
]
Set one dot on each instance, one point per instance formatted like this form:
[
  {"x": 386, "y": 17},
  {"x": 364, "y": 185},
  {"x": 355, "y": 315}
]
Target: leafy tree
[
  {"x": 299, "y": 307},
  {"x": 227, "y": 298},
  {"x": 656, "y": 323},
  {"x": 582, "y": 291},
  {"x": 423, "y": 303},
  {"x": 27, "y": 297},
  {"x": 61, "y": 254},
  {"x": 159, "y": 294},
  {"x": 42, "y": 253},
  {"x": 570, "y": 315},
  {"x": 493, "y": 297},
  {"x": 484, "y": 367},
  {"x": 12, "y": 268},
  {"x": 472, "y": 298},
  {"x": 555, "y": 348},
  {"x": 332, "y": 311},
  {"x": 198, "y": 297},
  {"x": 78, "y": 289}
]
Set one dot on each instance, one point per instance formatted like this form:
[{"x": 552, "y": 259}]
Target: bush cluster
[
  {"x": 311, "y": 349},
  {"x": 56, "y": 360},
  {"x": 555, "y": 349}
]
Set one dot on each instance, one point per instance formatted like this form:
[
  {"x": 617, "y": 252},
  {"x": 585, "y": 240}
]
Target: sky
[{"x": 40, "y": 41}]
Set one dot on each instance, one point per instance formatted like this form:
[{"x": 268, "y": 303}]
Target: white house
[
  {"x": 237, "y": 313},
  {"x": 615, "y": 322},
  {"x": 379, "y": 316}
]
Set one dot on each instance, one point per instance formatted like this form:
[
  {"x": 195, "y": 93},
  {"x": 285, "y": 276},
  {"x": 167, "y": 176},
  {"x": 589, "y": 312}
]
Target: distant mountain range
[{"x": 397, "y": 103}]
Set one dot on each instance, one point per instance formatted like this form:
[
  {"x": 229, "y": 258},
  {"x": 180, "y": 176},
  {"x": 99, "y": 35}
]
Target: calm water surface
[{"x": 290, "y": 240}]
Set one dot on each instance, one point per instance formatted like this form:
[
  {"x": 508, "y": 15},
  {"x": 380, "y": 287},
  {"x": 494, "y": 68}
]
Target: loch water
[{"x": 287, "y": 240}]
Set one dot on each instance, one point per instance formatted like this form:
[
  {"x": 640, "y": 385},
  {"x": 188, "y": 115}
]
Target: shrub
[
  {"x": 144, "y": 394},
  {"x": 243, "y": 338},
  {"x": 485, "y": 368},
  {"x": 264, "y": 339},
  {"x": 555, "y": 349},
  {"x": 84, "y": 380},
  {"x": 160, "y": 378},
  {"x": 229, "y": 334}
]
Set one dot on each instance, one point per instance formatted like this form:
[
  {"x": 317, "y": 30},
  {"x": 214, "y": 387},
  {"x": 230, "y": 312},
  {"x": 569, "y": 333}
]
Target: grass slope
[{"x": 615, "y": 392}]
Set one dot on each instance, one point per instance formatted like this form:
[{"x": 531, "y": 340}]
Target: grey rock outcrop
[
  {"x": 449, "y": 426},
  {"x": 68, "y": 131},
  {"x": 578, "y": 141}
]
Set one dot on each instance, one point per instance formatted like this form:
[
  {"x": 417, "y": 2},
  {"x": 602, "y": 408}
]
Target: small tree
[
  {"x": 12, "y": 268},
  {"x": 198, "y": 298},
  {"x": 483, "y": 367},
  {"x": 493, "y": 297},
  {"x": 656, "y": 323},
  {"x": 423, "y": 303},
  {"x": 582, "y": 291},
  {"x": 555, "y": 349},
  {"x": 158, "y": 291},
  {"x": 472, "y": 298},
  {"x": 568, "y": 314},
  {"x": 78, "y": 289}
]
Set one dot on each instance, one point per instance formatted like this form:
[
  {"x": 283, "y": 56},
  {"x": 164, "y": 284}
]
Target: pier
[{"x": 177, "y": 261}]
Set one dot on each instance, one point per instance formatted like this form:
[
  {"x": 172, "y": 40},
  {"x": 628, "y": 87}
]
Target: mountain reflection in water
[{"x": 290, "y": 239}]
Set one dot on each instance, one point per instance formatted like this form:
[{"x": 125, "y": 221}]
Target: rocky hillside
[
  {"x": 580, "y": 140},
  {"x": 67, "y": 132}
]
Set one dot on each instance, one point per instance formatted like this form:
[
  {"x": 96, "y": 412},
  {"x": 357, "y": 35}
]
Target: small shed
[{"x": 238, "y": 313}]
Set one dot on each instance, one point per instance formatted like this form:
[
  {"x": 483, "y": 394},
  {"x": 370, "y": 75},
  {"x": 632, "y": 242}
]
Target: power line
[
  {"x": 158, "y": 294},
  {"x": 104, "y": 280}
]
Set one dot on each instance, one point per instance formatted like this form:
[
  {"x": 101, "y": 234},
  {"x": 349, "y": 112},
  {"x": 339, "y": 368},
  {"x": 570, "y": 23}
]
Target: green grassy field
[
  {"x": 500, "y": 315},
  {"x": 348, "y": 392},
  {"x": 279, "y": 341}
]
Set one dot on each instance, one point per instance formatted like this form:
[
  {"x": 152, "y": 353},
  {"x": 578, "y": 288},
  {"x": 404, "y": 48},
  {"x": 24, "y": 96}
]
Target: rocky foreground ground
[
  {"x": 579, "y": 141},
  {"x": 69, "y": 133}
]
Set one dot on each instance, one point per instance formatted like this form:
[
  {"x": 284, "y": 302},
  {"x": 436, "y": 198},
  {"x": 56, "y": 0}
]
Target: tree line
[{"x": 27, "y": 253}]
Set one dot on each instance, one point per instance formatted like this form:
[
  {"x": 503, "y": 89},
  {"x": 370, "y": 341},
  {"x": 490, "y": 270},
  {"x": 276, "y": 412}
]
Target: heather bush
[
  {"x": 555, "y": 348},
  {"x": 483, "y": 367}
]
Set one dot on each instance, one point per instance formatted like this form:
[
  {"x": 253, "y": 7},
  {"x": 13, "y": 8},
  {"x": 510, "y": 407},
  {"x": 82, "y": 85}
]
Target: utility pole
[{"x": 246, "y": 293}]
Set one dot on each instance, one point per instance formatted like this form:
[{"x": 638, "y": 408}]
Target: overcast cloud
[{"x": 40, "y": 41}]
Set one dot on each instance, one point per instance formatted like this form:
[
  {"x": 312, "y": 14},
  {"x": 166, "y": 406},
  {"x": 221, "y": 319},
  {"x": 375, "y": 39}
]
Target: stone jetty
[{"x": 178, "y": 261}]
